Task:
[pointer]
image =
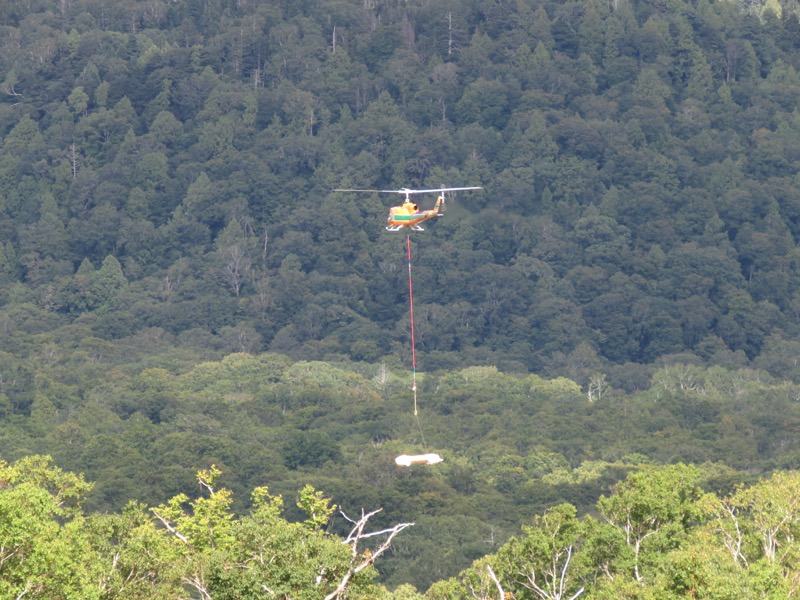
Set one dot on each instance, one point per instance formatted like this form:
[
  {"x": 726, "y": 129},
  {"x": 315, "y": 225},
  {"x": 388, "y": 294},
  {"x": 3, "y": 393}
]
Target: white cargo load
[{"x": 406, "y": 460}]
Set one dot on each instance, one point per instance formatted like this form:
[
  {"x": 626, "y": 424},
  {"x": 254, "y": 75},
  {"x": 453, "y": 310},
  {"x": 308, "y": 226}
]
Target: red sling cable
[{"x": 411, "y": 309}]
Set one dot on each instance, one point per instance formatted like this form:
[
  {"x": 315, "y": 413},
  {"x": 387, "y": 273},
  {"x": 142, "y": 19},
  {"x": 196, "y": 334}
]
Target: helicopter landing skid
[{"x": 399, "y": 227}]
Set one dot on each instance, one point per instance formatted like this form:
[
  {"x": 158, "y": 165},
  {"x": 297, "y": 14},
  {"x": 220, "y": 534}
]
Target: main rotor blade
[
  {"x": 454, "y": 189},
  {"x": 408, "y": 191}
]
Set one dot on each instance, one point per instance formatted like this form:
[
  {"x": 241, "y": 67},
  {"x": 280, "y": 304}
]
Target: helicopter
[{"x": 408, "y": 216}]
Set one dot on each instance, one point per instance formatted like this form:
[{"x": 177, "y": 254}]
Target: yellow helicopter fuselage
[{"x": 409, "y": 215}]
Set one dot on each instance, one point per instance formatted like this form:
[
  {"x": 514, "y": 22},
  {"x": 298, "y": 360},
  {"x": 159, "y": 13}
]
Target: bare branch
[
  {"x": 206, "y": 485},
  {"x": 496, "y": 582},
  {"x": 732, "y": 542},
  {"x": 564, "y": 571},
  {"x": 170, "y": 528},
  {"x": 199, "y": 585},
  {"x": 360, "y": 561}
]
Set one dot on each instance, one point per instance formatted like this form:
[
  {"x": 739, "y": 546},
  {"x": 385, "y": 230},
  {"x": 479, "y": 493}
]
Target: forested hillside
[
  {"x": 168, "y": 167},
  {"x": 180, "y": 287},
  {"x": 513, "y": 445}
]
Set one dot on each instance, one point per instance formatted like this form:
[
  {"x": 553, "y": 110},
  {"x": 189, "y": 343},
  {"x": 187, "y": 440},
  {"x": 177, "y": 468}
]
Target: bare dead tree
[
  {"x": 265, "y": 297},
  {"x": 732, "y": 535},
  {"x": 554, "y": 586},
  {"x": 264, "y": 248},
  {"x": 450, "y": 42},
  {"x": 382, "y": 376},
  {"x": 597, "y": 387},
  {"x": 235, "y": 267},
  {"x": 73, "y": 157},
  {"x": 361, "y": 559},
  {"x": 10, "y": 91}
]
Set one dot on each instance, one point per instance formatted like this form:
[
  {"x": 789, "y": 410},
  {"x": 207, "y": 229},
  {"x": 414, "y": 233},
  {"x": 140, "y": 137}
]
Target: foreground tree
[
  {"x": 185, "y": 548},
  {"x": 224, "y": 557},
  {"x": 44, "y": 547},
  {"x": 541, "y": 563},
  {"x": 653, "y": 509}
]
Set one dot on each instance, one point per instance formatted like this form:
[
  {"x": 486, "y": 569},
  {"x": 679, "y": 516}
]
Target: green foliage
[
  {"x": 51, "y": 549},
  {"x": 653, "y": 509},
  {"x": 138, "y": 561},
  {"x": 648, "y": 147},
  {"x": 560, "y": 556},
  {"x": 265, "y": 418},
  {"x": 179, "y": 287},
  {"x": 539, "y": 563},
  {"x": 310, "y": 449},
  {"x": 45, "y": 550},
  {"x": 316, "y": 506}
]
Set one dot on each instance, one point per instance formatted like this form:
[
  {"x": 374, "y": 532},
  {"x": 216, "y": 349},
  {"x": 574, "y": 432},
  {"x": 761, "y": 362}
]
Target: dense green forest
[
  {"x": 167, "y": 170},
  {"x": 659, "y": 536},
  {"x": 180, "y": 288}
]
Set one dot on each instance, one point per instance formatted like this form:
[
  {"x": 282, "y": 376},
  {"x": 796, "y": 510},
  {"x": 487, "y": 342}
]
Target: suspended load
[{"x": 406, "y": 460}]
